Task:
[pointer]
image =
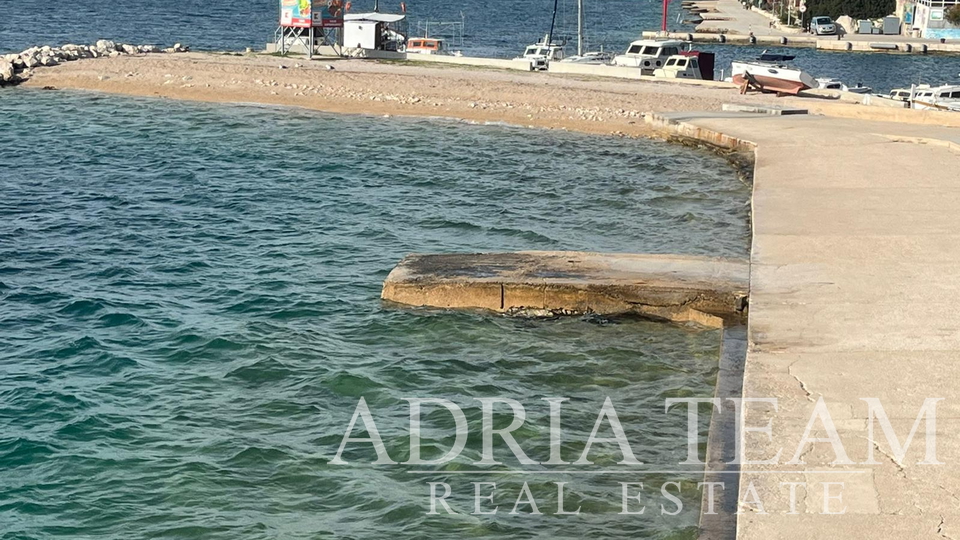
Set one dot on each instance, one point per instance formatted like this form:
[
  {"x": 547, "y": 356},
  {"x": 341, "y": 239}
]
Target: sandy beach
[{"x": 590, "y": 105}]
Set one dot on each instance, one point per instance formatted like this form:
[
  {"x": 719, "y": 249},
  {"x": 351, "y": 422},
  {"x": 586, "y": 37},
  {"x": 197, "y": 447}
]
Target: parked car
[{"x": 823, "y": 26}]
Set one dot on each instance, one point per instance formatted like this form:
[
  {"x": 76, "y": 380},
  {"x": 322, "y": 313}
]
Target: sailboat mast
[
  {"x": 553, "y": 22},
  {"x": 580, "y": 27}
]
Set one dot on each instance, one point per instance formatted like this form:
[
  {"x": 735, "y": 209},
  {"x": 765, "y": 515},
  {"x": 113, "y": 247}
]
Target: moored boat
[
  {"x": 426, "y": 45},
  {"x": 680, "y": 67},
  {"x": 542, "y": 53},
  {"x": 597, "y": 57},
  {"x": 941, "y": 98},
  {"x": 649, "y": 54},
  {"x": 829, "y": 83}
]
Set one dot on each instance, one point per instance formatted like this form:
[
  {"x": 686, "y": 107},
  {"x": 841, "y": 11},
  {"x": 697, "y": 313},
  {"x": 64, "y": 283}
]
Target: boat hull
[
  {"x": 774, "y": 78},
  {"x": 772, "y": 84}
]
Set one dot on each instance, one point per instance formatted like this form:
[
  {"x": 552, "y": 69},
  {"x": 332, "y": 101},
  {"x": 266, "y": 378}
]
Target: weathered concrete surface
[
  {"x": 855, "y": 283},
  {"x": 678, "y": 288},
  {"x": 772, "y": 110}
]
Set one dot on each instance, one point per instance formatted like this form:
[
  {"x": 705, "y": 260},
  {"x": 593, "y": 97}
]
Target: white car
[{"x": 823, "y": 26}]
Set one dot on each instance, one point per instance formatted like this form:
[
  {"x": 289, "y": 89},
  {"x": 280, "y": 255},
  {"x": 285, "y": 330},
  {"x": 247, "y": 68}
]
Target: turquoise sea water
[{"x": 189, "y": 314}]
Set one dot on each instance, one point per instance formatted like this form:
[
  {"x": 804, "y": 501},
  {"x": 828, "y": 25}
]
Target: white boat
[
  {"x": 542, "y": 53},
  {"x": 902, "y": 94},
  {"x": 649, "y": 54},
  {"x": 582, "y": 57},
  {"x": 942, "y": 98},
  {"x": 679, "y": 67},
  {"x": 598, "y": 57},
  {"x": 829, "y": 83},
  {"x": 773, "y": 77},
  {"x": 427, "y": 45}
]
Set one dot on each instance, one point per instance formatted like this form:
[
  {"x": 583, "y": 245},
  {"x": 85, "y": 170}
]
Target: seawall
[{"x": 852, "y": 295}]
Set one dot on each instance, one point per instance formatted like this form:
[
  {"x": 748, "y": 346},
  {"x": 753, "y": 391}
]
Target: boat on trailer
[{"x": 771, "y": 77}]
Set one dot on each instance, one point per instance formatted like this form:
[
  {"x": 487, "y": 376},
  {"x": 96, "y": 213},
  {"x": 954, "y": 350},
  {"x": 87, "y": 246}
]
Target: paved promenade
[
  {"x": 855, "y": 288},
  {"x": 735, "y": 24},
  {"x": 731, "y": 18}
]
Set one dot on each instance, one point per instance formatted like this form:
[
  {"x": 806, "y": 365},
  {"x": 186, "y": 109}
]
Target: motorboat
[
  {"x": 771, "y": 77},
  {"x": 942, "y": 98},
  {"x": 427, "y": 45},
  {"x": 649, "y": 54},
  {"x": 542, "y": 53},
  {"x": 902, "y": 94},
  {"x": 829, "y": 83},
  {"x": 680, "y": 67}
]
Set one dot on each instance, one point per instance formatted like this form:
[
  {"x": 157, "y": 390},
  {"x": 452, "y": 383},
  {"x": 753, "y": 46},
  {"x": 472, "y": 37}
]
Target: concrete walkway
[
  {"x": 855, "y": 288},
  {"x": 731, "y": 18}
]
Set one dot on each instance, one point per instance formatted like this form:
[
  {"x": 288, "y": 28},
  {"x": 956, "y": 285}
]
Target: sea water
[
  {"x": 190, "y": 314},
  {"x": 498, "y": 28}
]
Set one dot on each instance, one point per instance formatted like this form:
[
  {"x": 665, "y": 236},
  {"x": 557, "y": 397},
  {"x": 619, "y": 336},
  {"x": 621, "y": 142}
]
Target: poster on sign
[
  {"x": 295, "y": 13},
  {"x": 329, "y": 13}
]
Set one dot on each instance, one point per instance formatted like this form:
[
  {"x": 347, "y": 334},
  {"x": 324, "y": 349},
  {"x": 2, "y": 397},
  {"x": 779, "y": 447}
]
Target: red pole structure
[{"x": 663, "y": 25}]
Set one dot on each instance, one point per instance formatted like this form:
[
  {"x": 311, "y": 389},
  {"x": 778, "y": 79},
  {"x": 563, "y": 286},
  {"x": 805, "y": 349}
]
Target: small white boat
[
  {"x": 772, "y": 77},
  {"x": 679, "y": 67},
  {"x": 542, "y": 53},
  {"x": 649, "y": 54},
  {"x": 829, "y": 83},
  {"x": 598, "y": 58}
]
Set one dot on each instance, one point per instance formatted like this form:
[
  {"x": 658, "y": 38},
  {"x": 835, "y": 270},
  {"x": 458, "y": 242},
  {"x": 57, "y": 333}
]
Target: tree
[
  {"x": 856, "y": 9},
  {"x": 952, "y": 15}
]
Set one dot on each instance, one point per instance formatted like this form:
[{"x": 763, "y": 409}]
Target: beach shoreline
[{"x": 588, "y": 105}]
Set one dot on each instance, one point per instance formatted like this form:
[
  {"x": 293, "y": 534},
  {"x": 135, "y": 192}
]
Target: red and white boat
[{"x": 773, "y": 77}]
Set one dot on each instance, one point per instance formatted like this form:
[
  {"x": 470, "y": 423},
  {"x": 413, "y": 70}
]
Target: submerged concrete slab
[{"x": 673, "y": 287}]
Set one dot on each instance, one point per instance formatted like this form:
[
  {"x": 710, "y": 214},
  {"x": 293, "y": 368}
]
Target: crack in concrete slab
[{"x": 803, "y": 385}]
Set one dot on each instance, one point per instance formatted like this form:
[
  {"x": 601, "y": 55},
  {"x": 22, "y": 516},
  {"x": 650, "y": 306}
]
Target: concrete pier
[
  {"x": 677, "y": 288},
  {"x": 854, "y": 272},
  {"x": 725, "y": 21}
]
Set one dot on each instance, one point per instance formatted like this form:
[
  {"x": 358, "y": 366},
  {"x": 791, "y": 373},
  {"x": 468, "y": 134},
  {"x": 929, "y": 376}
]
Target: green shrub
[
  {"x": 952, "y": 15},
  {"x": 857, "y": 9}
]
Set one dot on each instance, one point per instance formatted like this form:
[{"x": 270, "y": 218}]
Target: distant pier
[{"x": 727, "y": 22}]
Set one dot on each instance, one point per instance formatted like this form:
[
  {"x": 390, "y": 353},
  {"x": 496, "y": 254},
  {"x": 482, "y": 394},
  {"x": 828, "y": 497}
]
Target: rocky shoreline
[{"x": 16, "y": 67}]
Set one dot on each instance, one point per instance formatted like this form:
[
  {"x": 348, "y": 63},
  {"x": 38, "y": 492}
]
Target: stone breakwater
[{"x": 18, "y": 66}]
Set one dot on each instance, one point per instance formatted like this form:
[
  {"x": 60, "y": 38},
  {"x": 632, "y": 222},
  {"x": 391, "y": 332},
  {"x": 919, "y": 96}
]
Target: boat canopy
[{"x": 374, "y": 17}]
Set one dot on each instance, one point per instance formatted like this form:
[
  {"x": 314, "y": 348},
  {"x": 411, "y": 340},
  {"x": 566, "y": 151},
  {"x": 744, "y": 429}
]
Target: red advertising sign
[
  {"x": 329, "y": 14},
  {"x": 295, "y": 13}
]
